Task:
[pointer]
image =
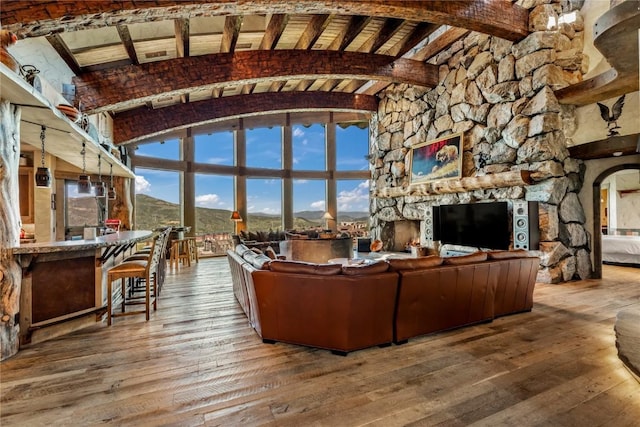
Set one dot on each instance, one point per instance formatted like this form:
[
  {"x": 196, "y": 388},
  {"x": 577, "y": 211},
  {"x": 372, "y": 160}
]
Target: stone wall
[{"x": 500, "y": 95}]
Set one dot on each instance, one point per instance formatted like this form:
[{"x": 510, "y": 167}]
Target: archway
[{"x": 597, "y": 233}]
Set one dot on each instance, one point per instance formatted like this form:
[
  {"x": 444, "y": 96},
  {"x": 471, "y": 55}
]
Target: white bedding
[{"x": 621, "y": 249}]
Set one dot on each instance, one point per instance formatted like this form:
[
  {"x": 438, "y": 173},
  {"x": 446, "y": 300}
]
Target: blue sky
[{"x": 264, "y": 151}]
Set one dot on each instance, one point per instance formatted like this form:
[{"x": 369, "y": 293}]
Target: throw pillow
[{"x": 270, "y": 253}]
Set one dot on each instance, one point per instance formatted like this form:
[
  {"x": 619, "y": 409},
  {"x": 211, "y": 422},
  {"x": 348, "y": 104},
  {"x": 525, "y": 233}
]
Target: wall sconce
[
  {"x": 111, "y": 194},
  {"x": 43, "y": 175},
  {"x": 327, "y": 217},
  {"x": 99, "y": 187},
  {"x": 235, "y": 216},
  {"x": 84, "y": 180}
]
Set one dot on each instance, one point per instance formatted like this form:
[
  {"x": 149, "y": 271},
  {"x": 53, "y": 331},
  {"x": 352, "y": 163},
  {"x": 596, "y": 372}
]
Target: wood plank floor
[{"x": 198, "y": 362}]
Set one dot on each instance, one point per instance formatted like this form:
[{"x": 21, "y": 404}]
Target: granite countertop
[{"x": 114, "y": 239}]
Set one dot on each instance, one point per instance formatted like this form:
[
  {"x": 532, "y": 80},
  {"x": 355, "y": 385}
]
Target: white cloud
[
  {"x": 217, "y": 160},
  {"x": 356, "y": 199},
  {"x": 142, "y": 185},
  {"x": 208, "y": 200},
  {"x": 297, "y": 131},
  {"x": 318, "y": 205},
  {"x": 270, "y": 211},
  {"x": 300, "y": 181}
]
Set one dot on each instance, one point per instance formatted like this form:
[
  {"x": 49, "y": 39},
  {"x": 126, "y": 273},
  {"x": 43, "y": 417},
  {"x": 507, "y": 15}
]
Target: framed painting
[{"x": 437, "y": 159}]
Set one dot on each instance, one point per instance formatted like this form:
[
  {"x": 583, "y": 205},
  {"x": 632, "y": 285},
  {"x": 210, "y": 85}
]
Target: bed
[{"x": 621, "y": 249}]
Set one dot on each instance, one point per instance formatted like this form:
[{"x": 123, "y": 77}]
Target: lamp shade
[
  {"x": 43, "y": 177},
  {"x": 100, "y": 189},
  {"x": 84, "y": 184},
  {"x": 235, "y": 216},
  {"x": 327, "y": 215}
]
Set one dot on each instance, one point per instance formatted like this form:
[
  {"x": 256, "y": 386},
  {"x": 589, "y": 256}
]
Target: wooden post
[
  {"x": 10, "y": 273},
  {"x": 121, "y": 208}
]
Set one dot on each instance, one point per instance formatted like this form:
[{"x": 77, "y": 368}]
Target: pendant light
[
  {"x": 99, "y": 187},
  {"x": 43, "y": 176},
  {"x": 84, "y": 181},
  {"x": 112, "y": 190}
]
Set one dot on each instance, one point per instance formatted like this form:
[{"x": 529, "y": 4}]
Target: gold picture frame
[{"x": 436, "y": 159}]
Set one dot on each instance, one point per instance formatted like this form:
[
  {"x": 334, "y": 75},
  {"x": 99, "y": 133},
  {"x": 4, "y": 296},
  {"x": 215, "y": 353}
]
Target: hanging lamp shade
[
  {"x": 43, "y": 175},
  {"x": 100, "y": 188},
  {"x": 111, "y": 194},
  {"x": 84, "y": 184},
  {"x": 235, "y": 216},
  {"x": 84, "y": 180}
]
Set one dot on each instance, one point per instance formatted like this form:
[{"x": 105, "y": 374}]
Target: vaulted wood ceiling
[{"x": 160, "y": 65}]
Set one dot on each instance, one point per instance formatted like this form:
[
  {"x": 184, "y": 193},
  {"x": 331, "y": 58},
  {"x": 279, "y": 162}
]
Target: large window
[
  {"x": 169, "y": 149},
  {"x": 214, "y": 148},
  {"x": 158, "y": 192},
  {"x": 80, "y": 209},
  {"x": 352, "y": 148},
  {"x": 309, "y": 147},
  {"x": 353, "y": 206},
  {"x": 157, "y": 198},
  {"x": 214, "y": 203},
  {"x": 264, "y": 147},
  {"x": 264, "y": 204},
  {"x": 309, "y": 203}
]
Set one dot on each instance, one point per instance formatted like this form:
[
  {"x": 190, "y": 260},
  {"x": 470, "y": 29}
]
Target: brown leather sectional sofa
[{"x": 347, "y": 308}]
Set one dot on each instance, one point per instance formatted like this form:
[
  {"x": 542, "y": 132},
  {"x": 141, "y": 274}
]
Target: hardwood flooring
[{"x": 198, "y": 362}]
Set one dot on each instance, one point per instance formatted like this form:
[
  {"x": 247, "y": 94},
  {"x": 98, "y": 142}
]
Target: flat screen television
[{"x": 480, "y": 225}]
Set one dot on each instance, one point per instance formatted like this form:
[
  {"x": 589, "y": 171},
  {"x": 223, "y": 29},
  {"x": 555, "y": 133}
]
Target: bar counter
[{"x": 64, "y": 283}]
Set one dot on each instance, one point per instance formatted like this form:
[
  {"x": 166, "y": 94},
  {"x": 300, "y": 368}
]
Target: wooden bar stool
[
  {"x": 136, "y": 269},
  {"x": 180, "y": 253},
  {"x": 193, "y": 248}
]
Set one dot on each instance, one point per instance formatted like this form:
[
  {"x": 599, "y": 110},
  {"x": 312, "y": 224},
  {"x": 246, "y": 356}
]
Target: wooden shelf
[{"x": 63, "y": 137}]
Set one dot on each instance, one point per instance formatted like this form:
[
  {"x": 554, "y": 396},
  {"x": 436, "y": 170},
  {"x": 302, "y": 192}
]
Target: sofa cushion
[
  {"x": 520, "y": 253},
  {"x": 373, "y": 268},
  {"x": 260, "y": 261},
  {"x": 257, "y": 251},
  {"x": 466, "y": 259},
  {"x": 240, "y": 249},
  {"x": 282, "y": 266},
  {"x": 414, "y": 263}
]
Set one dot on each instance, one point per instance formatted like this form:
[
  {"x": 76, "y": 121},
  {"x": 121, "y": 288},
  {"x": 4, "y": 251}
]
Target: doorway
[{"x": 605, "y": 210}]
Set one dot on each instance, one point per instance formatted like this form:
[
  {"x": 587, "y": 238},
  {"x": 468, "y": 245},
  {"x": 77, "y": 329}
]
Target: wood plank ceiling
[{"x": 162, "y": 65}]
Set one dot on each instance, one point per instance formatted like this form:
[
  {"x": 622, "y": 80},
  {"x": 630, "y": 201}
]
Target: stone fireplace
[{"x": 500, "y": 96}]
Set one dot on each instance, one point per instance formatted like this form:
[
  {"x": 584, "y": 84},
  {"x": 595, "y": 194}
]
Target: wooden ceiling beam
[
  {"x": 349, "y": 32},
  {"x": 445, "y": 40},
  {"x": 232, "y": 26},
  {"x": 119, "y": 88},
  {"x": 377, "y": 40},
  {"x": 421, "y": 31},
  {"x": 63, "y": 50},
  {"x": 313, "y": 31},
  {"x": 181, "y": 27},
  {"x": 275, "y": 28},
  {"x": 125, "y": 36},
  {"x": 500, "y": 18},
  {"x": 134, "y": 125}
]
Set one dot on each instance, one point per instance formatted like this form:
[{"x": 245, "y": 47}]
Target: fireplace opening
[{"x": 397, "y": 236}]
